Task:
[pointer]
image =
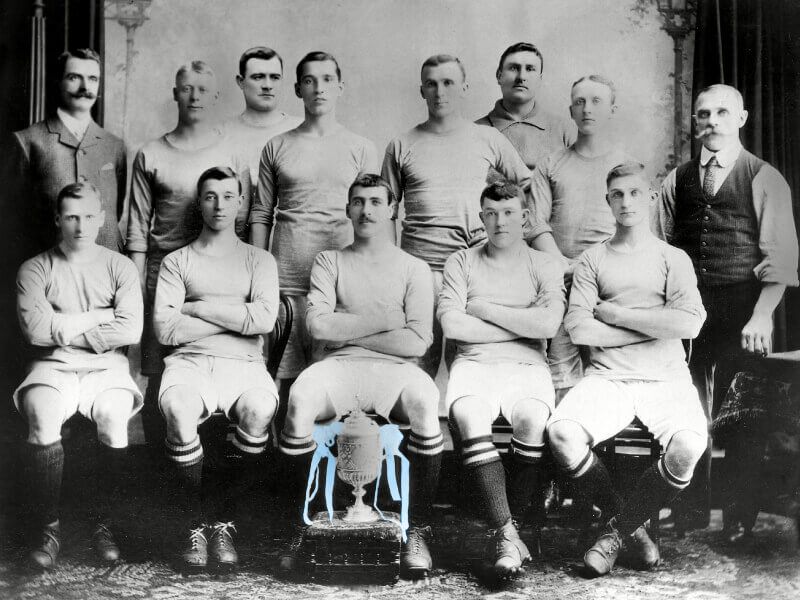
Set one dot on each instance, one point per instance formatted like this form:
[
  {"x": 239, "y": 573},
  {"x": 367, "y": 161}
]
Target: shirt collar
[
  {"x": 77, "y": 127},
  {"x": 501, "y": 118},
  {"x": 725, "y": 157}
]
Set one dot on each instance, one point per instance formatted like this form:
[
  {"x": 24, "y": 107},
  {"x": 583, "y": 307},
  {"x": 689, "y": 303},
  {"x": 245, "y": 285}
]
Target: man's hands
[
  {"x": 607, "y": 312},
  {"x": 71, "y": 328},
  {"x": 757, "y": 334},
  {"x": 481, "y": 309}
]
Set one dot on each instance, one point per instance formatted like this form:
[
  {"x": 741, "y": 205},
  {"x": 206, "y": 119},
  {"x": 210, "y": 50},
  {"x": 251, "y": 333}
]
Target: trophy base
[{"x": 340, "y": 551}]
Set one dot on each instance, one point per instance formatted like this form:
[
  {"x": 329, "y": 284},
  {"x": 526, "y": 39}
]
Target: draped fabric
[{"x": 754, "y": 45}]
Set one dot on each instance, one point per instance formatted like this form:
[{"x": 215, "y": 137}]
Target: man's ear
[
  {"x": 422, "y": 92},
  {"x": 743, "y": 118},
  {"x": 175, "y": 94},
  {"x": 102, "y": 217},
  {"x": 480, "y": 214},
  {"x": 239, "y": 81},
  {"x": 297, "y": 90}
]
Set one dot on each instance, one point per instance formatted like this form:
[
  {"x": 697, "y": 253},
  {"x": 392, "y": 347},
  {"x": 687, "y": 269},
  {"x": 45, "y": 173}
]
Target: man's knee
[
  {"x": 44, "y": 413},
  {"x": 306, "y": 401},
  {"x": 529, "y": 419},
  {"x": 111, "y": 411},
  {"x": 564, "y": 435},
  {"x": 254, "y": 410},
  {"x": 420, "y": 399},
  {"x": 471, "y": 416},
  {"x": 684, "y": 450},
  {"x": 181, "y": 405}
]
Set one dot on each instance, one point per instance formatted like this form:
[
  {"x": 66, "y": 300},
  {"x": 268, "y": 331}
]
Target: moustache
[
  {"x": 87, "y": 95},
  {"x": 704, "y": 133}
]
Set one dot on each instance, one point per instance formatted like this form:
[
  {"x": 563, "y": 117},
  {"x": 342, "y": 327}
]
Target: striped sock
[
  {"x": 296, "y": 446},
  {"x": 593, "y": 485},
  {"x": 188, "y": 460},
  {"x": 524, "y": 476},
  {"x": 425, "y": 458},
  {"x": 298, "y": 453},
  {"x": 242, "y": 444},
  {"x": 656, "y": 488},
  {"x": 486, "y": 475}
]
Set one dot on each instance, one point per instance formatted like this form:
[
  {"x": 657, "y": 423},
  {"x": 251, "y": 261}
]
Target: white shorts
[
  {"x": 218, "y": 381},
  {"x": 501, "y": 385},
  {"x": 604, "y": 407},
  {"x": 373, "y": 386},
  {"x": 564, "y": 359},
  {"x": 299, "y": 352},
  {"x": 79, "y": 389}
]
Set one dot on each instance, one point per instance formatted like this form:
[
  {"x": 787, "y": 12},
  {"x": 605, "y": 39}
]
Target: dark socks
[
  {"x": 484, "y": 472},
  {"x": 524, "y": 478},
  {"x": 43, "y": 467},
  {"x": 112, "y": 471},
  {"x": 188, "y": 462},
  {"x": 297, "y": 454},
  {"x": 425, "y": 458},
  {"x": 242, "y": 458},
  {"x": 593, "y": 485},
  {"x": 656, "y": 487}
]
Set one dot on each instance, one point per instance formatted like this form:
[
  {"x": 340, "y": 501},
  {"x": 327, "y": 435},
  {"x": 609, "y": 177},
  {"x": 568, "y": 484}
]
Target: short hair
[
  {"x": 79, "y": 189},
  {"x": 218, "y": 174},
  {"x": 81, "y": 53},
  {"x": 599, "y": 79},
  {"x": 720, "y": 87},
  {"x": 625, "y": 169},
  {"x": 441, "y": 59},
  {"x": 196, "y": 66},
  {"x": 261, "y": 52},
  {"x": 371, "y": 180},
  {"x": 503, "y": 190},
  {"x": 317, "y": 56},
  {"x": 521, "y": 47}
]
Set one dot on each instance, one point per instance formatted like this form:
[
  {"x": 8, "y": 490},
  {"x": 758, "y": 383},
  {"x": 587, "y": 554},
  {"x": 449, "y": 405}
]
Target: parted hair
[
  {"x": 261, "y": 52},
  {"x": 196, "y": 66},
  {"x": 79, "y": 189},
  {"x": 81, "y": 53},
  {"x": 441, "y": 59},
  {"x": 521, "y": 47},
  {"x": 317, "y": 56},
  {"x": 218, "y": 174},
  {"x": 599, "y": 79},
  {"x": 368, "y": 180},
  {"x": 503, "y": 190},
  {"x": 625, "y": 169}
]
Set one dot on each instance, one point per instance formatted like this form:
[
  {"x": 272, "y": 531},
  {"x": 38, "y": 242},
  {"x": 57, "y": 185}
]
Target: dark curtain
[{"x": 754, "y": 45}]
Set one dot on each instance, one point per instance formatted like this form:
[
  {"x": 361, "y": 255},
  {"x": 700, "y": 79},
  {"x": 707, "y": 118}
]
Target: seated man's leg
[
  {"x": 594, "y": 410},
  {"x": 111, "y": 411},
  {"x": 473, "y": 416},
  {"x": 418, "y": 405},
  {"x": 45, "y": 409},
  {"x": 183, "y": 408}
]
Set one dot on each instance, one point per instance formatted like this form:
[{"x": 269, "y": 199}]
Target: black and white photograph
[{"x": 371, "y": 298}]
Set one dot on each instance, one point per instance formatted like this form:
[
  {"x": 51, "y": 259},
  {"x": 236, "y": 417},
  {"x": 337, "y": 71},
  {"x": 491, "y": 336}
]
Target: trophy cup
[{"x": 359, "y": 461}]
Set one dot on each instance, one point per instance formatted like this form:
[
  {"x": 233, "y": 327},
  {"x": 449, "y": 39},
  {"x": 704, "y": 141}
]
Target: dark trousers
[{"x": 713, "y": 364}]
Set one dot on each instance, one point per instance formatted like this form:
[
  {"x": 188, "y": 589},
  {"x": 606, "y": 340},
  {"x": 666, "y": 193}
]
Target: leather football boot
[
  {"x": 45, "y": 554},
  {"x": 415, "y": 557},
  {"x": 221, "y": 550}
]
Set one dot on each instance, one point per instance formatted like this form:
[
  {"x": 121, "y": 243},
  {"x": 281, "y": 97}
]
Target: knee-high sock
[
  {"x": 112, "y": 471},
  {"x": 484, "y": 472},
  {"x": 656, "y": 487},
  {"x": 188, "y": 462},
  {"x": 242, "y": 457},
  {"x": 43, "y": 468},
  {"x": 593, "y": 484},
  {"x": 524, "y": 477},
  {"x": 425, "y": 458},
  {"x": 298, "y": 453}
]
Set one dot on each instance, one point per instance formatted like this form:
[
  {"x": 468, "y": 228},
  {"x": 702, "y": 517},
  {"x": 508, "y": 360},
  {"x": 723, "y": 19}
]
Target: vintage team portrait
[{"x": 451, "y": 298}]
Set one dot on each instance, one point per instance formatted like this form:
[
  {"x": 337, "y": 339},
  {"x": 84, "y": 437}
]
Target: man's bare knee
[
  {"x": 43, "y": 411},
  {"x": 529, "y": 419},
  {"x": 471, "y": 416},
  {"x": 684, "y": 450},
  {"x": 254, "y": 411},
  {"x": 307, "y": 403},
  {"x": 111, "y": 412},
  {"x": 568, "y": 441},
  {"x": 182, "y": 408}
]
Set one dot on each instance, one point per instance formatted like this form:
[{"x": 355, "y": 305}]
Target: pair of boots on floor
[{"x": 42, "y": 473}]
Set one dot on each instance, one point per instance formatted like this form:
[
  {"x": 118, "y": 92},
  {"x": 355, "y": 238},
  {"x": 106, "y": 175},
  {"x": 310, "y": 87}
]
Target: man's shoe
[
  {"x": 104, "y": 544},
  {"x": 510, "y": 552},
  {"x": 600, "y": 558},
  {"x": 194, "y": 556},
  {"x": 289, "y": 558},
  {"x": 221, "y": 550},
  {"x": 641, "y": 551},
  {"x": 415, "y": 557},
  {"x": 45, "y": 554}
]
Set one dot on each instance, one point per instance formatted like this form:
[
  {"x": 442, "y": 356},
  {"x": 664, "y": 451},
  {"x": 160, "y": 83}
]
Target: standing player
[
  {"x": 371, "y": 304},
  {"x": 261, "y": 79},
  {"x": 533, "y": 132},
  {"x": 79, "y": 305},
  {"x": 215, "y": 299},
  {"x": 732, "y": 214},
  {"x": 439, "y": 169},
  {"x": 500, "y": 302},
  {"x": 633, "y": 299},
  {"x": 570, "y": 210},
  {"x": 302, "y": 178},
  {"x": 163, "y": 215}
]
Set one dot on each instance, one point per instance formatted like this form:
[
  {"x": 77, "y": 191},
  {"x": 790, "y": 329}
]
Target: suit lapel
[
  {"x": 94, "y": 134},
  {"x": 57, "y": 127}
]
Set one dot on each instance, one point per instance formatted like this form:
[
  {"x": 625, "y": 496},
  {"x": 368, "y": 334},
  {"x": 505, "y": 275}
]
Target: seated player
[
  {"x": 79, "y": 305},
  {"x": 633, "y": 299},
  {"x": 371, "y": 304},
  {"x": 500, "y": 302},
  {"x": 214, "y": 300}
]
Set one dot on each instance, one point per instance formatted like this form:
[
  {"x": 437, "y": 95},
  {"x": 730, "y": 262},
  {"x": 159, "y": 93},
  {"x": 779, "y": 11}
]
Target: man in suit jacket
[{"x": 65, "y": 148}]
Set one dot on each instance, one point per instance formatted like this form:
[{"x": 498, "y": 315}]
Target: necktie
[{"x": 708, "y": 179}]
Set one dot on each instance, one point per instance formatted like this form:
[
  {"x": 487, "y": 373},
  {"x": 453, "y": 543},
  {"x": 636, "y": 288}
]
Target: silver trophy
[{"x": 359, "y": 462}]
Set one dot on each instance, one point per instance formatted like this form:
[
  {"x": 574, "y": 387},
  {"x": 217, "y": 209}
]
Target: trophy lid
[{"x": 358, "y": 424}]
